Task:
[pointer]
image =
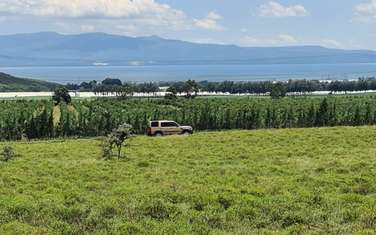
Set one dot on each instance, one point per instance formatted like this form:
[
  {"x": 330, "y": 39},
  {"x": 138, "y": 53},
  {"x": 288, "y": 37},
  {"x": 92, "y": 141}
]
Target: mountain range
[{"x": 53, "y": 49}]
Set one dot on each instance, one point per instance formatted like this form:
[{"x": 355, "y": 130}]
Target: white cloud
[
  {"x": 87, "y": 28},
  {"x": 128, "y": 29},
  {"x": 145, "y": 12},
  {"x": 331, "y": 43},
  {"x": 275, "y": 9},
  {"x": 206, "y": 41},
  {"x": 126, "y": 16},
  {"x": 279, "y": 40},
  {"x": 214, "y": 16},
  {"x": 210, "y": 22},
  {"x": 287, "y": 38},
  {"x": 366, "y": 12},
  {"x": 87, "y": 8},
  {"x": 111, "y": 26}
]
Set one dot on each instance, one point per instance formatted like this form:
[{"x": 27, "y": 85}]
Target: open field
[{"x": 235, "y": 182}]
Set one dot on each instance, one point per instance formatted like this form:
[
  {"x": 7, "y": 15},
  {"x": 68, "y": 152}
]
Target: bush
[
  {"x": 158, "y": 210},
  {"x": 116, "y": 140},
  {"x": 61, "y": 94},
  {"x": 8, "y": 153},
  {"x": 143, "y": 164},
  {"x": 171, "y": 93},
  {"x": 279, "y": 90},
  {"x": 107, "y": 150}
]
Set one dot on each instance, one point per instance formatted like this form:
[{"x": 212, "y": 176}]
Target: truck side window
[
  {"x": 169, "y": 124},
  {"x": 154, "y": 124}
]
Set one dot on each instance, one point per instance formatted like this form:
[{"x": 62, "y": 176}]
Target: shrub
[
  {"x": 279, "y": 90},
  {"x": 143, "y": 164},
  {"x": 8, "y": 153},
  {"x": 61, "y": 94},
  {"x": 225, "y": 202},
  {"x": 116, "y": 139},
  {"x": 158, "y": 209},
  {"x": 214, "y": 220},
  {"x": 106, "y": 150},
  {"x": 171, "y": 93}
]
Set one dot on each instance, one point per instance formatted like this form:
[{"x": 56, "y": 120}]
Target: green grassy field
[{"x": 293, "y": 181}]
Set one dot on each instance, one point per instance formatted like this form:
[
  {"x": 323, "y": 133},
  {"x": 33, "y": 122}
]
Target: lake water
[{"x": 197, "y": 72}]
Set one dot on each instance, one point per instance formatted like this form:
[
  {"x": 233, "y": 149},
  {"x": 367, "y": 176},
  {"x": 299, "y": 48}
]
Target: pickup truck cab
[{"x": 161, "y": 128}]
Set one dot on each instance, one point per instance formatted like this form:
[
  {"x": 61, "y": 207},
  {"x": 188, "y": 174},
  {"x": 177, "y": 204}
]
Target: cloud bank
[
  {"x": 275, "y": 9},
  {"x": 279, "y": 40},
  {"x": 88, "y": 8},
  {"x": 366, "y": 12},
  {"x": 210, "y": 22}
]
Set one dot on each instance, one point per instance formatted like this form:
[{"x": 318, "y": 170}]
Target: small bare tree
[{"x": 116, "y": 140}]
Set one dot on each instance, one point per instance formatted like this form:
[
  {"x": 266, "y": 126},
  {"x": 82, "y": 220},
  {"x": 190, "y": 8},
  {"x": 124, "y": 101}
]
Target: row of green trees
[
  {"x": 255, "y": 87},
  {"x": 42, "y": 119}
]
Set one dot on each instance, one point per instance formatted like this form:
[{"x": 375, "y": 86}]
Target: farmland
[
  {"x": 244, "y": 182},
  {"x": 35, "y": 119}
]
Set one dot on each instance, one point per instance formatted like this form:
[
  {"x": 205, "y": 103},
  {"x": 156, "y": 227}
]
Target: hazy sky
[{"x": 331, "y": 23}]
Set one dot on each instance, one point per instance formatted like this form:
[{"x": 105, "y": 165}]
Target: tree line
[{"x": 191, "y": 87}]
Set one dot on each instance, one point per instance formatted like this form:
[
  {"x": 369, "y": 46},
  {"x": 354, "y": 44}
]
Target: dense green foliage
[
  {"x": 7, "y": 153},
  {"x": 254, "y": 87},
  {"x": 293, "y": 86},
  {"x": 10, "y": 83},
  {"x": 278, "y": 91},
  {"x": 61, "y": 94},
  {"x": 293, "y": 181},
  {"x": 41, "y": 119}
]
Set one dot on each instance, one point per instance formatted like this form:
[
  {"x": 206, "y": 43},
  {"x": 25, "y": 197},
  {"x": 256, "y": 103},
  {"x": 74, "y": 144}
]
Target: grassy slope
[
  {"x": 10, "y": 83},
  {"x": 304, "y": 180}
]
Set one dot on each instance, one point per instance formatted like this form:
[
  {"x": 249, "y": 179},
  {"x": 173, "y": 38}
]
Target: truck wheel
[
  {"x": 186, "y": 133},
  {"x": 158, "y": 134}
]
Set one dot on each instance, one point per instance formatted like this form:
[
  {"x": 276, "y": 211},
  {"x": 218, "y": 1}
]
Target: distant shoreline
[{"x": 161, "y": 73}]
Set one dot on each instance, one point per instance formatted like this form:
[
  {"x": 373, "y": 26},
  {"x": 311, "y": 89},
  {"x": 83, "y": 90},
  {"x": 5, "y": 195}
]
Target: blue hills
[{"x": 53, "y": 49}]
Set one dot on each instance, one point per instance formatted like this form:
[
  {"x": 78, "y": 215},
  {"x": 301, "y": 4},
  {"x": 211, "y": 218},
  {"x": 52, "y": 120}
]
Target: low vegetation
[
  {"x": 297, "y": 181},
  {"x": 8, "y": 153}
]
